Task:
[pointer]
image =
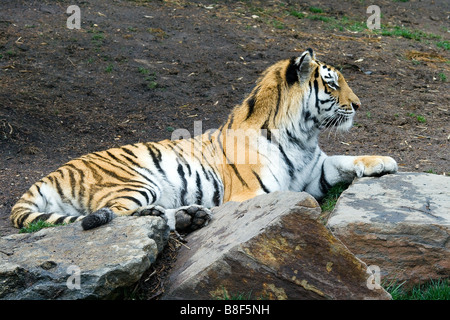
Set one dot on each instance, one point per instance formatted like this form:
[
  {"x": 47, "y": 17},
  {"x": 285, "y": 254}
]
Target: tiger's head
[
  {"x": 330, "y": 101},
  {"x": 304, "y": 94}
]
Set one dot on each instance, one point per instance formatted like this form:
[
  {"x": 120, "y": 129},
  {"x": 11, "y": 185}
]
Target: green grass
[
  {"x": 341, "y": 24},
  {"x": 109, "y": 68},
  {"x": 432, "y": 290},
  {"x": 151, "y": 80},
  {"x": 38, "y": 225},
  {"x": 419, "y": 118},
  {"x": 445, "y": 44},
  {"x": 328, "y": 203},
  {"x": 442, "y": 77},
  {"x": 406, "y": 33},
  {"x": 143, "y": 70},
  {"x": 315, "y": 10},
  {"x": 347, "y": 24},
  {"x": 297, "y": 14}
]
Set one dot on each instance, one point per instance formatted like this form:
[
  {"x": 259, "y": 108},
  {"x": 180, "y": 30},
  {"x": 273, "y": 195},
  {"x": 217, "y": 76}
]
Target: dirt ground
[{"x": 137, "y": 70}]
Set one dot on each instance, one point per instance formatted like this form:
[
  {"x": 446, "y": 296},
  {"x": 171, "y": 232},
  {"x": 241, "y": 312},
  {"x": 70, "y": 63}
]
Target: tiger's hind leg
[
  {"x": 188, "y": 218},
  {"x": 184, "y": 219}
]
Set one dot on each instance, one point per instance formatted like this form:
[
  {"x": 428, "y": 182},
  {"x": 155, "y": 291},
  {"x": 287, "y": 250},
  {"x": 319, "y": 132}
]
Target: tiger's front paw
[{"x": 374, "y": 165}]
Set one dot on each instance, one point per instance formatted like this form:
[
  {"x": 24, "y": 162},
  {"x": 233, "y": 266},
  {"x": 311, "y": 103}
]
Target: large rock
[
  {"x": 69, "y": 263},
  {"x": 401, "y": 223},
  {"x": 271, "y": 246}
]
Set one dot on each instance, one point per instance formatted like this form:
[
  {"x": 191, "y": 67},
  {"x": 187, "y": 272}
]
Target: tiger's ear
[{"x": 300, "y": 67}]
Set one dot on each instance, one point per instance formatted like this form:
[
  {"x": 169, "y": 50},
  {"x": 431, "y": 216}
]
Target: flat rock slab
[
  {"x": 69, "y": 263},
  {"x": 401, "y": 223},
  {"x": 272, "y": 247}
]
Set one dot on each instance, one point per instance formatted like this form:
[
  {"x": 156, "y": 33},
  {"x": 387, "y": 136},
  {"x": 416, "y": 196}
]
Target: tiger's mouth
[{"x": 341, "y": 120}]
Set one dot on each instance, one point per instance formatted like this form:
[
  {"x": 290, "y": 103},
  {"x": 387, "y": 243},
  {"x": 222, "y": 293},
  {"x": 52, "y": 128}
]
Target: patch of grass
[
  {"x": 445, "y": 44},
  {"x": 143, "y": 70},
  {"x": 278, "y": 24},
  {"x": 38, "y": 225},
  {"x": 432, "y": 290},
  {"x": 109, "y": 68},
  {"x": 320, "y": 18},
  {"x": 98, "y": 36},
  {"x": 419, "y": 118},
  {"x": 406, "y": 33},
  {"x": 342, "y": 24},
  {"x": 442, "y": 77},
  {"x": 328, "y": 202},
  {"x": 315, "y": 10},
  {"x": 297, "y": 14},
  {"x": 11, "y": 53}
]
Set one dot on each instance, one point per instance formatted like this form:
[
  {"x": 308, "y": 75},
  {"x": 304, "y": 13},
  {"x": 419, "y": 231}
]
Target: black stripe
[
  {"x": 261, "y": 183},
  {"x": 316, "y": 89},
  {"x": 183, "y": 183},
  {"x": 144, "y": 194},
  {"x": 238, "y": 175},
  {"x": 198, "y": 182},
  {"x": 60, "y": 220},
  {"x": 31, "y": 203},
  {"x": 288, "y": 162},
  {"x": 216, "y": 197},
  {"x": 265, "y": 126},
  {"x": 21, "y": 219},
  {"x": 73, "y": 182},
  {"x": 295, "y": 141},
  {"x": 43, "y": 217},
  {"x": 135, "y": 200},
  {"x": 204, "y": 172},
  {"x": 156, "y": 158},
  {"x": 81, "y": 192},
  {"x": 251, "y": 105},
  {"x": 323, "y": 183},
  {"x": 292, "y": 71},
  {"x": 112, "y": 156},
  {"x": 131, "y": 153},
  {"x": 98, "y": 177},
  {"x": 277, "y": 108},
  {"x": 324, "y": 87}
]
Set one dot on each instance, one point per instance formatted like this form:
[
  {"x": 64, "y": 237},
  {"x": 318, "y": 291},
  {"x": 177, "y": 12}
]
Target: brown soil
[{"x": 136, "y": 70}]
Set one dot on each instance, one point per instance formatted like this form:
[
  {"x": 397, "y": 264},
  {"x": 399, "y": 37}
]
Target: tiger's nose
[{"x": 355, "y": 106}]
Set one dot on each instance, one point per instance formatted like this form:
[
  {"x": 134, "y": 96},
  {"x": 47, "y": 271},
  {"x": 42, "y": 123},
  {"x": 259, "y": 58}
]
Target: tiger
[{"x": 268, "y": 143}]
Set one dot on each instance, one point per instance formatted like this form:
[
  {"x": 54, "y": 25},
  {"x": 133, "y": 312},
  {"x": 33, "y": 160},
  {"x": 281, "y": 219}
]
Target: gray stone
[
  {"x": 48, "y": 264},
  {"x": 400, "y": 223},
  {"x": 272, "y": 246}
]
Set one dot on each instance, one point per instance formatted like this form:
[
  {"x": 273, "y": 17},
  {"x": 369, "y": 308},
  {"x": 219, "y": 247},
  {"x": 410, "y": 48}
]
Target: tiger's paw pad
[
  {"x": 191, "y": 218},
  {"x": 156, "y": 211}
]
